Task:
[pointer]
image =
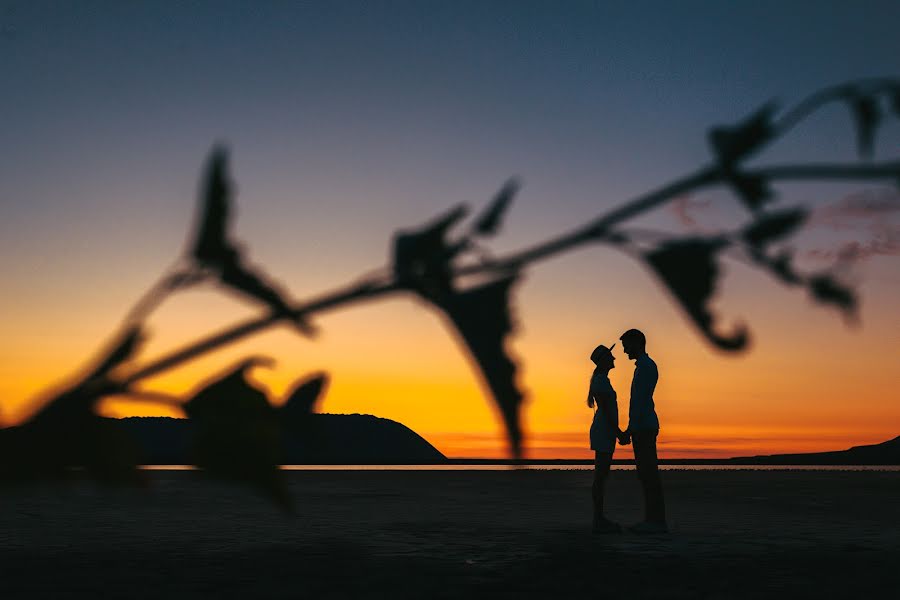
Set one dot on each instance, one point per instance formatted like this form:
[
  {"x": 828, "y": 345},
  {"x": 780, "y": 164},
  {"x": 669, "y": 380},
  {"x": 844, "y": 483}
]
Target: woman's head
[{"x": 603, "y": 357}]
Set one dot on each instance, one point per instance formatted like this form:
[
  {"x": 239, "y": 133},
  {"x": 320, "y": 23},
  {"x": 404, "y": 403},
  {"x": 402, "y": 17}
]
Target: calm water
[{"x": 556, "y": 467}]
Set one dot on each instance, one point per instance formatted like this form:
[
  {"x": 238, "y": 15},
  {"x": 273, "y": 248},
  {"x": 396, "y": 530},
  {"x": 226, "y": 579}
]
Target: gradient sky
[{"x": 349, "y": 120}]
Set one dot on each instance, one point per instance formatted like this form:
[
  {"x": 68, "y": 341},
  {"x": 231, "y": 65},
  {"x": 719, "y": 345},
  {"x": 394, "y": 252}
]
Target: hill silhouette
[
  {"x": 329, "y": 439},
  {"x": 885, "y": 453},
  {"x": 319, "y": 439}
]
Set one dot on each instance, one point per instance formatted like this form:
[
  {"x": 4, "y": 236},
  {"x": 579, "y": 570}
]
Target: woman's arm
[{"x": 611, "y": 414}]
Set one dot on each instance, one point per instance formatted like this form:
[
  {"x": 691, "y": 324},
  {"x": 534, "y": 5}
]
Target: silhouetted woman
[{"x": 604, "y": 431}]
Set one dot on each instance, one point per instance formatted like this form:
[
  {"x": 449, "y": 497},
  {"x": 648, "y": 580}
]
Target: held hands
[{"x": 624, "y": 437}]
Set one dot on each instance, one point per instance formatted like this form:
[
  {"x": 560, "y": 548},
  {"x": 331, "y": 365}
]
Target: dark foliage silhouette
[
  {"x": 489, "y": 222},
  {"x": 482, "y": 317},
  {"x": 867, "y": 114},
  {"x": 690, "y": 269},
  {"x": 480, "y": 314},
  {"x": 237, "y": 434},
  {"x": 773, "y": 227},
  {"x": 67, "y": 432},
  {"x": 734, "y": 144},
  {"x": 302, "y": 398},
  {"x": 236, "y": 427},
  {"x": 213, "y": 249}
]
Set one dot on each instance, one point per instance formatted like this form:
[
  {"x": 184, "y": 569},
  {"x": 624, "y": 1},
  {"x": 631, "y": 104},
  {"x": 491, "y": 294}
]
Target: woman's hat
[{"x": 601, "y": 351}]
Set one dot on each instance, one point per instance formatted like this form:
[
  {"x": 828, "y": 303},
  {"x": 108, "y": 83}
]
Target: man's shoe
[
  {"x": 602, "y": 526},
  {"x": 649, "y": 527}
]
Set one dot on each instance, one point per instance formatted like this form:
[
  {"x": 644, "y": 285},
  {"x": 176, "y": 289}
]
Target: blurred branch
[
  {"x": 839, "y": 93},
  {"x": 599, "y": 230},
  {"x": 155, "y": 397},
  {"x": 172, "y": 279}
]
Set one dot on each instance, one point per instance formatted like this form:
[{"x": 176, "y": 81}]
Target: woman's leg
[{"x": 602, "y": 462}]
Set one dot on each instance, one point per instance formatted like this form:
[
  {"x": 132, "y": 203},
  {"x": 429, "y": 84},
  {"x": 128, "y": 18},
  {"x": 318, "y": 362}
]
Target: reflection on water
[{"x": 555, "y": 467}]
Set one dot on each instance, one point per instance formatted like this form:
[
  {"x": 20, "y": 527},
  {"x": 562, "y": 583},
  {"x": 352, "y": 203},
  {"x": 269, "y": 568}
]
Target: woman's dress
[{"x": 603, "y": 437}]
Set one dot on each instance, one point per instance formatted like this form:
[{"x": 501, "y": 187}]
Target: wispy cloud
[
  {"x": 687, "y": 211},
  {"x": 866, "y": 205},
  {"x": 853, "y": 228},
  {"x": 867, "y": 224}
]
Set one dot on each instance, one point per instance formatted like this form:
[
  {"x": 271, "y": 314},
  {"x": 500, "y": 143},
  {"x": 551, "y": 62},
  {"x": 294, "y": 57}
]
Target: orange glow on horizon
[{"x": 396, "y": 360}]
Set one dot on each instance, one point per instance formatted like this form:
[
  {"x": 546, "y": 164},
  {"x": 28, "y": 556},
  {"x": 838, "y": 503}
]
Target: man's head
[{"x": 634, "y": 343}]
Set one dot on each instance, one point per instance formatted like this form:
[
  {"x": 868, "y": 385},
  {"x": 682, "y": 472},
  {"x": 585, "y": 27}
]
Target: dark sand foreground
[{"x": 511, "y": 534}]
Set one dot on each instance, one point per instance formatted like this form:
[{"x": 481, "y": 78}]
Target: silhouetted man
[{"x": 643, "y": 427}]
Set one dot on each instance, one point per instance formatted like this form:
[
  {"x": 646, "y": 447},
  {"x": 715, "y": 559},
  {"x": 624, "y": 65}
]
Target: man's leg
[{"x": 647, "y": 464}]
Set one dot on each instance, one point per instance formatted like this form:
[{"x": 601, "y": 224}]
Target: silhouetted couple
[{"x": 643, "y": 427}]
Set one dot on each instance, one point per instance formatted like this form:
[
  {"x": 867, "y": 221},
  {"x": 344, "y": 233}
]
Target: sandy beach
[{"x": 522, "y": 534}]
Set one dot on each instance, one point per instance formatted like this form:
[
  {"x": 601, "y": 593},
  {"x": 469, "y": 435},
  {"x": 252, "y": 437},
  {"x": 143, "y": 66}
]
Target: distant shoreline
[
  {"x": 883, "y": 454},
  {"x": 675, "y": 462},
  {"x": 552, "y": 466}
]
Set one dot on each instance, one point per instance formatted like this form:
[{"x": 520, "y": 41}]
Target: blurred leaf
[
  {"x": 488, "y": 222},
  {"x": 211, "y": 246},
  {"x": 302, "y": 398},
  {"x": 246, "y": 280},
  {"x": 688, "y": 267},
  {"x": 866, "y": 115},
  {"x": 773, "y": 226},
  {"x": 213, "y": 249},
  {"x": 826, "y": 290},
  {"x": 782, "y": 267},
  {"x": 422, "y": 257},
  {"x": 108, "y": 453},
  {"x": 29, "y": 455},
  {"x": 422, "y": 263},
  {"x": 753, "y": 190},
  {"x": 732, "y": 144},
  {"x": 66, "y": 434},
  {"x": 77, "y": 401},
  {"x": 236, "y": 433},
  {"x": 482, "y": 317}
]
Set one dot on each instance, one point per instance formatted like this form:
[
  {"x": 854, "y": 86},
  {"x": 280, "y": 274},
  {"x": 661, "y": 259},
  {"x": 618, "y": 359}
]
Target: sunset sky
[{"x": 349, "y": 120}]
